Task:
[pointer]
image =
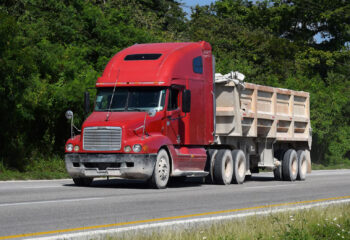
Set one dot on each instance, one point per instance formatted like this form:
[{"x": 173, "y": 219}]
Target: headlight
[
  {"x": 76, "y": 148},
  {"x": 136, "y": 148},
  {"x": 69, "y": 147},
  {"x": 127, "y": 149}
]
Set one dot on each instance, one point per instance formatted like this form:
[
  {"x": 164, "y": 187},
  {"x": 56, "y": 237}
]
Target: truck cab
[{"x": 152, "y": 117}]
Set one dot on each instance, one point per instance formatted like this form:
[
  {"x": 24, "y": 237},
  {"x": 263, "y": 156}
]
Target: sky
[
  {"x": 192, "y": 3},
  {"x": 195, "y": 2}
]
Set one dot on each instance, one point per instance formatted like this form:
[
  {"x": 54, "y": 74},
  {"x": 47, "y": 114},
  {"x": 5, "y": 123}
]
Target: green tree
[{"x": 52, "y": 51}]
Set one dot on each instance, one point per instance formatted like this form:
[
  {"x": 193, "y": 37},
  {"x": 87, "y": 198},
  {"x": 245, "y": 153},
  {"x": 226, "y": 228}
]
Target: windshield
[{"x": 135, "y": 99}]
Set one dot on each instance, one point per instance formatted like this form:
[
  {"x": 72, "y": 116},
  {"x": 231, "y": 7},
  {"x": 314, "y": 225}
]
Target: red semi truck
[{"x": 161, "y": 112}]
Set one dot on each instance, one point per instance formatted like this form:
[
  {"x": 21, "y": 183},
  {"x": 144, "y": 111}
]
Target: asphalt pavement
[{"x": 52, "y": 205}]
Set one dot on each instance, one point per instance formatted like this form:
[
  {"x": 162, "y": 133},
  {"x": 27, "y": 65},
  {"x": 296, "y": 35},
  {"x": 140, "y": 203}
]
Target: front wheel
[
  {"x": 161, "y": 171},
  {"x": 83, "y": 181}
]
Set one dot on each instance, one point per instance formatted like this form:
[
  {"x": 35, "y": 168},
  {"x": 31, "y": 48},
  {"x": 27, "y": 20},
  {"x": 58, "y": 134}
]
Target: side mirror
[
  {"x": 86, "y": 102},
  {"x": 186, "y": 101},
  {"x": 69, "y": 114},
  {"x": 152, "y": 112}
]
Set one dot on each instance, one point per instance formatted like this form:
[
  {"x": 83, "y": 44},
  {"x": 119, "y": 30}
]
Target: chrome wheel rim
[
  {"x": 303, "y": 167},
  {"x": 228, "y": 167},
  {"x": 163, "y": 169},
  {"x": 294, "y": 166},
  {"x": 241, "y": 167}
]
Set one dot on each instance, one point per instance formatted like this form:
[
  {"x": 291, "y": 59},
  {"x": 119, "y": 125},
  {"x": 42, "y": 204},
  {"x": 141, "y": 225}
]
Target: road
[{"x": 42, "y": 206}]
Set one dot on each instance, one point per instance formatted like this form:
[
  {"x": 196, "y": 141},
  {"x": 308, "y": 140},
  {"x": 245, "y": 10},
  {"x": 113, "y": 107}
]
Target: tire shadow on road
[
  {"x": 260, "y": 179},
  {"x": 137, "y": 184},
  {"x": 173, "y": 182}
]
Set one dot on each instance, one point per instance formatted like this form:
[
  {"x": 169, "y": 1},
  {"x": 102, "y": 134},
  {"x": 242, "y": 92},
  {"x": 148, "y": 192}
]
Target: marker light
[
  {"x": 76, "y": 148},
  {"x": 127, "y": 148}
]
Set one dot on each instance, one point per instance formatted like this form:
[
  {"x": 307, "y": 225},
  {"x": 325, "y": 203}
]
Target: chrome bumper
[{"x": 130, "y": 166}]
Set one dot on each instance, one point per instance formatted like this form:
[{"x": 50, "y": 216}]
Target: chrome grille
[{"x": 102, "y": 138}]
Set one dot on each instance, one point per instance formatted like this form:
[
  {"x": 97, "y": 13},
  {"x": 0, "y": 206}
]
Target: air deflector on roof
[{"x": 145, "y": 56}]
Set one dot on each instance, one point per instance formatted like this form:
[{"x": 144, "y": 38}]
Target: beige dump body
[{"x": 261, "y": 111}]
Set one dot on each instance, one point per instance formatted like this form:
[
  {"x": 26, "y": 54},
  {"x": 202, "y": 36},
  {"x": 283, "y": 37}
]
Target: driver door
[{"x": 173, "y": 116}]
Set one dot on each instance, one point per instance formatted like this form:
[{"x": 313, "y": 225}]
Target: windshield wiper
[
  {"x": 108, "y": 110},
  {"x": 135, "y": 109}
]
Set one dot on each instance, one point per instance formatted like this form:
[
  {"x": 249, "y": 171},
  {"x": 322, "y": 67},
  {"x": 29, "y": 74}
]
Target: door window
[{"x": 173, "y": 99}]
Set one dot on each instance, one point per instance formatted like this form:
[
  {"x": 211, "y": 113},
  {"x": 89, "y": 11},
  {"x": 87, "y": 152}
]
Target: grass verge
[
  {"x": 345, "y": 165},
  {"x": 38, "y": 168},
  {"x": 332, "y": 222}
]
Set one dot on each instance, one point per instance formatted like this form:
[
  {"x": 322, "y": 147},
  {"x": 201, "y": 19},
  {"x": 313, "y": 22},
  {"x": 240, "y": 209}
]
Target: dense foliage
[{"x": 52, "y": 51}]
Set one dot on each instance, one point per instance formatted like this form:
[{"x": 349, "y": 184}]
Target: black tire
[
  {"x": 290, "y": 165},
  {"x": 223, "y": 167},
  {"x": 277, "y": 173},
  {"x": 161, "y": 173},
  {"x": 248, "y": 177},
  {"x": 83, "y": 182},
  {"x": 302, "y": 165},
  {"x": 209, "y": 166},
  {"x": 239, "y": 166}
]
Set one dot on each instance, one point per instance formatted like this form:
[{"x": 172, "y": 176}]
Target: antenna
[
  {"x": 110, "y": 103},
  {"x": 144, "y": 126}
]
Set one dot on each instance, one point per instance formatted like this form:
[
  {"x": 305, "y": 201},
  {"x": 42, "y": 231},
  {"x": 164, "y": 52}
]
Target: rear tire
[
  {"x": 302, "y": 165},
  {"x": 223, "y": 167},
  {"x": 83, "y": 182},
  {"x": 290, "y": 165},
  {"x": 209, "y": 166},
  {"x": 161, "y": 173},
  {"x": 239, "y": 166},
  {"x": 277, "y": 173}
]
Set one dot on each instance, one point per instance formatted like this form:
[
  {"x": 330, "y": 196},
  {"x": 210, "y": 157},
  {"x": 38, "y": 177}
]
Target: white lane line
[
  {"x": 42, "y": 180},
  {"x": 101, "y": 234},
  {"x": 29, "y": 187},
  {"x": 49, "y": 201},
  {"x": 271, "y": 186},
  {"x": 34, "y": 187}
]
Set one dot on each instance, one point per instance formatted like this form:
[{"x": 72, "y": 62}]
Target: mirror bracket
[
  {"x": 186, "y": 101},
  {"x": 86, "y": 102}
]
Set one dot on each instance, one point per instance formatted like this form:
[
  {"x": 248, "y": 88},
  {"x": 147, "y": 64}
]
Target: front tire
[
  {"x": 290, "y": 165},
  {"x": 223, "y": 167},
  {"x": 161, "y": 173},
  {"x": 83, "y": 182}
]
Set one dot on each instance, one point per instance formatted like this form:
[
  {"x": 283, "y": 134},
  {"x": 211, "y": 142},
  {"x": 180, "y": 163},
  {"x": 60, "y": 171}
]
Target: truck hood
[{"x": 116, "y": 119}]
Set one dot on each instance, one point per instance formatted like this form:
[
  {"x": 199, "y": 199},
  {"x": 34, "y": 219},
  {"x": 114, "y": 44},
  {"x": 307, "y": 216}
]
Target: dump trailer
[
  {"x": 161, "y": 112},
  {"x": 271, "y": 126}
]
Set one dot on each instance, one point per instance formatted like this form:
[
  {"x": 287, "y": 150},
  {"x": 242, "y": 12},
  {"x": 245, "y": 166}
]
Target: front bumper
[{"x": 130, "y": 166}]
